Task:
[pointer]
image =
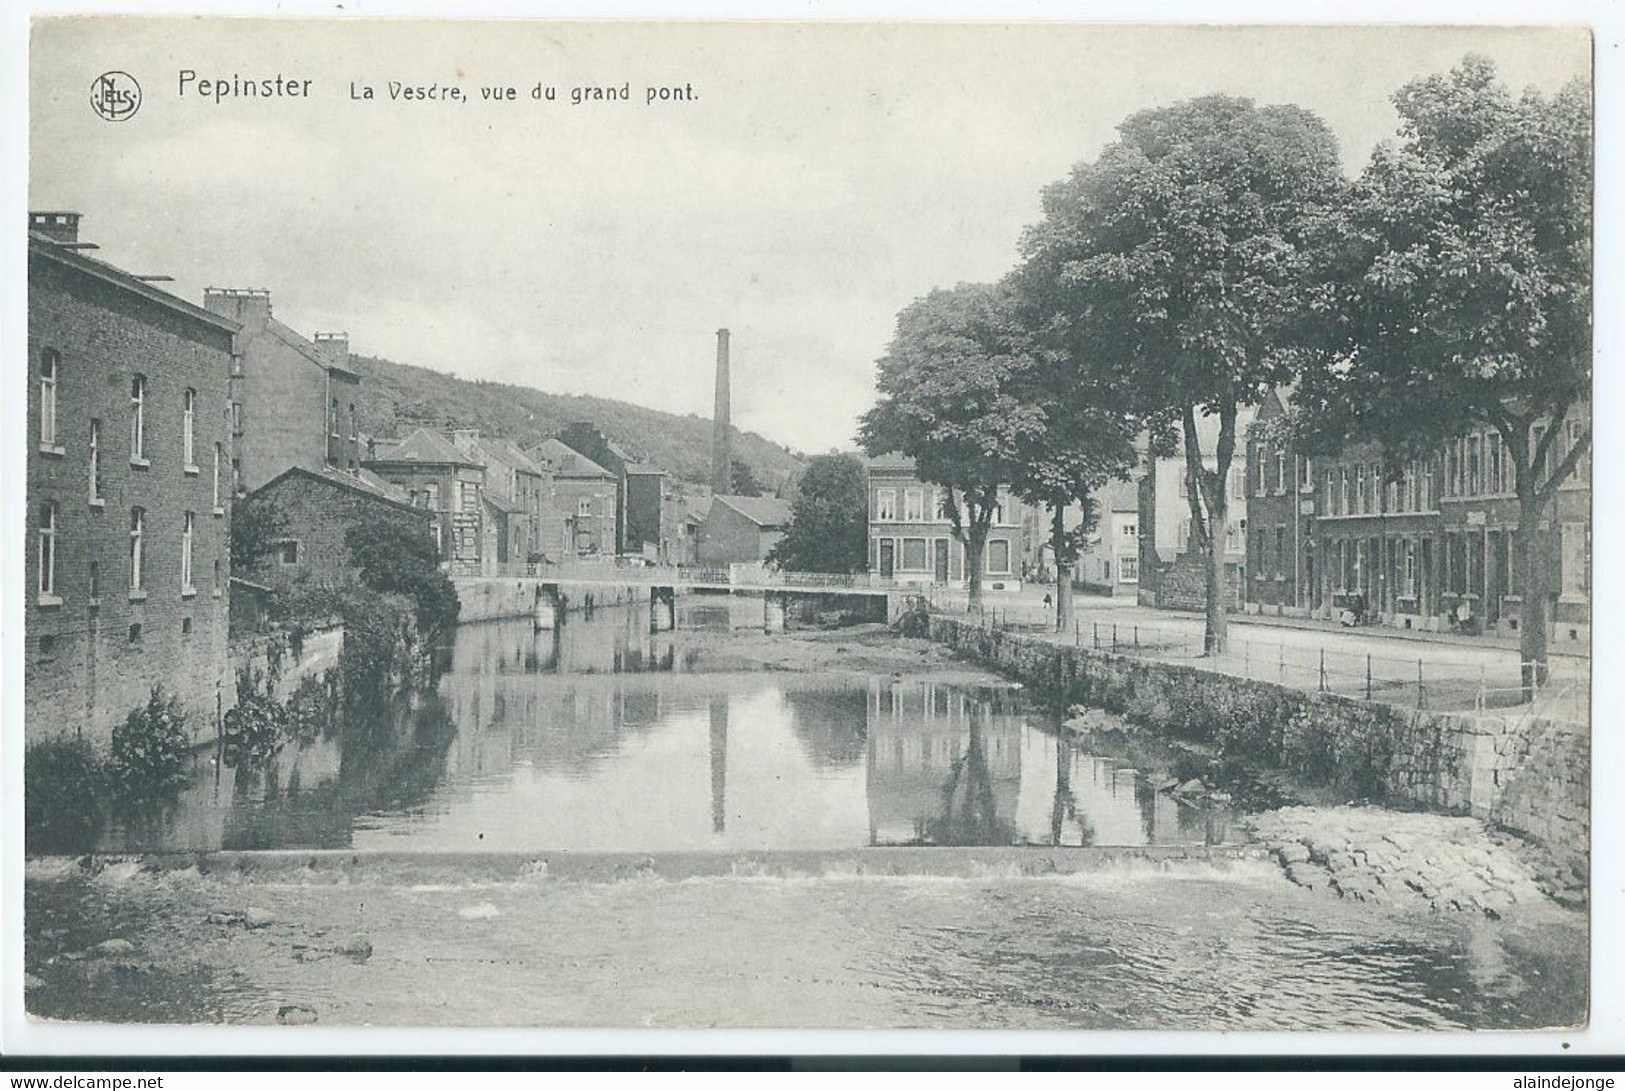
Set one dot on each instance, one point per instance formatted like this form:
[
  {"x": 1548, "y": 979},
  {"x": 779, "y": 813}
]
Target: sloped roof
[
  {"x": 423, "y": 446},
  {"x": 505, "y": 451},
  {"x": 305, "y": 347},
  {"x": 502, "y": 503},
  {"x": 764, "y": 511},
  {"x": 45, "y": 246},
  {"x": 566, "y": 461},
  {"x": 341, "y": 480}
]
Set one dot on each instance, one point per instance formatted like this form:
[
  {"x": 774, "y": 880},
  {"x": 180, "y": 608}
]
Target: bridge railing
[{"x": 635, "y": 571}]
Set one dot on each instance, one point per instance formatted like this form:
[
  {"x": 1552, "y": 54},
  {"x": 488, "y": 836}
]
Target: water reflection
[{"x": 602, "y": 736}]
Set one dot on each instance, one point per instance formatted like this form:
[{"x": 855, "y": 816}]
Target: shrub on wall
[
  {"x": 253, "y": 731},
  {"x": 152, "y": 748},
  {"x": 63, "y": 789}
]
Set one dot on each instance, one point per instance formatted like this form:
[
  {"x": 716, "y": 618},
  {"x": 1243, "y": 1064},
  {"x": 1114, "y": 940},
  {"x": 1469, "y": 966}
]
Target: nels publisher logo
[{"x": 115, "y": 96}]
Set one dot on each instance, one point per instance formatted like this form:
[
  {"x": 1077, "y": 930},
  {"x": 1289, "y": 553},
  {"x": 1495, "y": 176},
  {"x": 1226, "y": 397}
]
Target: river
[{"x": 600, "y": 738}]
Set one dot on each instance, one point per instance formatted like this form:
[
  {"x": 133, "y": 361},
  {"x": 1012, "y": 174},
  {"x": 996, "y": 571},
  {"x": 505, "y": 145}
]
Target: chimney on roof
[
  {"x": 60, "y": 226},
  {"x": 334, "y": 347},
  {"x": 721, "y": 457},
  {"x": 248, "y": 307},
  {"x": 463, "y": 438}
]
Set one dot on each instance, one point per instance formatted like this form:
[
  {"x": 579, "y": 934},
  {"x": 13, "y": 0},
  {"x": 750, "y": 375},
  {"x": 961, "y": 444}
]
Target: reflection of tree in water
[
  {"x": 1065, "y": 806},
  {"x": 833, "y": 727},
  {"x": 969, "y": 811},
  {"x": 392, "y": 756}
]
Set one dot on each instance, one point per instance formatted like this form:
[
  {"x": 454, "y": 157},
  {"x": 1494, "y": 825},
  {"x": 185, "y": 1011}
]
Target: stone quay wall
[
  {"x": 310, "y": 657},
  {"x": 1525, "y": 773},
  {"x": 490, "y": 598}
]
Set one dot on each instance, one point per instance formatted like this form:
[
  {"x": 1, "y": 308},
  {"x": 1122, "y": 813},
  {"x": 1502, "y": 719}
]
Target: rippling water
[
  {"x": 1194, "y": 948},
  {"x": 600, "y": 737}
]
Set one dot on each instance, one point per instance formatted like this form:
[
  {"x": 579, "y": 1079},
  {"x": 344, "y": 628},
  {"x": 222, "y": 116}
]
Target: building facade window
[
  {"x": 1131, "y": 530},
  {"x": 431, "y": 496},
  {"x": 287, "y": 552},
  {"x": 1128, "y": 569},
  {"x": 886, "y": 505},
  {"x": 47, "y": 550},
  {"x": 913, "y": 506},
  {"x": 1582, "y": 465},
  {"x": 218, "y": 510},
  {"x": 998, "y": 557},
  {"x": 1280, "y": 551},
  {"x": 188, "y": 522},
  {"x": 94, "y": 467},
  {"x": 138, "y": 419},
  {"x": 583, "y": 507},
  {"x": 188, "y": 415},
  {"x": 50, "y": 366},
  {"x": 1343, "y": 492},
  {"x": 913, "y": 555},
  {"x": 95, "y": 582},
  {"x": 1280, "y": 473},
  {"x": 138, "y": 527}
]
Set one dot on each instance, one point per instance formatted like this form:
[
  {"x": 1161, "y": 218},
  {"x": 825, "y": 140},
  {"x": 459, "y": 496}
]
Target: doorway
[
  {"x": 888, "y": 558},
  {"x": 942, "y": 560}
]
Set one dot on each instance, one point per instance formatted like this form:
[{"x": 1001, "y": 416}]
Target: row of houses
[
  {"x": 1426, "y": 546},
  {"x": 155, "y": 421}
]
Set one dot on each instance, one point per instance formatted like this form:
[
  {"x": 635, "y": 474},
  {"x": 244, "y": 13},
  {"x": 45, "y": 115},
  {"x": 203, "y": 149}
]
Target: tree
[
  {"x": 946, "y": 401},
  {"x": 743, "y": 478},
  {"x": 1085, "y": 426},
  {"x": 829, "y": 523},
  {"x": 1464, "y": 297},
  {"x": 1185, "y": 250},
  {"x": 256, "y": 525},
  {"x": 397, "y": 556}
]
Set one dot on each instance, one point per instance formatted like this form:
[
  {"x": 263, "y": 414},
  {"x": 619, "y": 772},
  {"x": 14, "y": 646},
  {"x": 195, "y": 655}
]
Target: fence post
[
  {"x": 1323, "y": 670},
  {"x": 1481, "y": 693},
  {"x": 1421, "y": 690},
  {"x": 1246, "y": 659},
  {"x": 1136, "y": 636},
  {"x": 1095, "y": 625},
  {"x": 1368, "y": 676},
  {"x": 1282, "y": 649},
  {"x": 1114, "y": 638},
  {"x": 1077, "y": 632}
]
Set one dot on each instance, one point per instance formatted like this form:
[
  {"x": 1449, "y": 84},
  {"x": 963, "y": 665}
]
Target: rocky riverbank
[{"x": 1444, "y": 862}]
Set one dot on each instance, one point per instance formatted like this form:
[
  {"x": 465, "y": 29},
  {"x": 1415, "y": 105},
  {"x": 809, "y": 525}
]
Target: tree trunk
[
  {"x": 1526, "y": 547},
  {"x": 1215, "y": 637},
  {"x": 975, "y": 546},
  {"x": 1063, "y": 569}
]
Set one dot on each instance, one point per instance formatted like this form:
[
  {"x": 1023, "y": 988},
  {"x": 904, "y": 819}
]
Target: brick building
[
  {"x": 128, "y": 498},
  {"x": 1281, "y": 568},
  {"x": 519, "y": 492},
  {"x": 1426, "y": 545},
  {"x": 584, "y": 494},
  {"x": 911, "y": 538},
  {"x": 640, "y": 488},
  {"x": 438, "y": 477},
  {"x": 293, "y": 398},
  {"x": 741, "y": 529},
  {"x": 318, "y": 509}
]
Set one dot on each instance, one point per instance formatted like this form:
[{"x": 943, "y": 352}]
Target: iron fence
[{"x": 1412, "y": 681}]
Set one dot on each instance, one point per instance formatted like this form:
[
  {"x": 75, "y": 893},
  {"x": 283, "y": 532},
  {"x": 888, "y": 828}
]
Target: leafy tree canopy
[
  {"x": 828, "y": 529},
  {"x": 1464, "y": 287}
]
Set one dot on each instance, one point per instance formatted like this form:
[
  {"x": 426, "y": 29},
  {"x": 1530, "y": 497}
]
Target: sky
[{"x": 821, "y": 177}]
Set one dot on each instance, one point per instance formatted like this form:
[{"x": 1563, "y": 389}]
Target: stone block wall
[{"x": 1526, "y": 773}]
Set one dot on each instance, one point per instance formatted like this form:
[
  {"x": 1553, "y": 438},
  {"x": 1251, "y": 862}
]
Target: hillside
[{"x": 397, "y": 397}]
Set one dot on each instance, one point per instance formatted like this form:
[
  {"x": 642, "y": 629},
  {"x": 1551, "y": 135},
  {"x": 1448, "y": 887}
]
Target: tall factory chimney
[{"x": 721, "y": 454}]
